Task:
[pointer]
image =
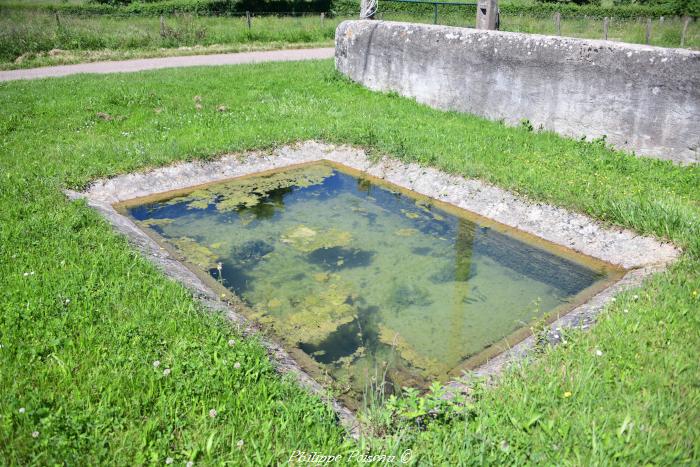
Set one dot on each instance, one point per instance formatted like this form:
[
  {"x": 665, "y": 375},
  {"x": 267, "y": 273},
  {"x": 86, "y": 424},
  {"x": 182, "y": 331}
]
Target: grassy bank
[
  {"x": 31, "y": 38},
  {"x": 664, "y": 33},
  {"x": 83, "y": 317},
  {"x": 34, "y": 38}
]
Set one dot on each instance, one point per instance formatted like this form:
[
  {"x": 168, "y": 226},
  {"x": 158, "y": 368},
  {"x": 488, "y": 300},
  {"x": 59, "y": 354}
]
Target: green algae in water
[{"x": 361, "y": 277}]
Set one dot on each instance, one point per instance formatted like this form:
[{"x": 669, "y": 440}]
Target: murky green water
[{"x": 360, "y": 277}]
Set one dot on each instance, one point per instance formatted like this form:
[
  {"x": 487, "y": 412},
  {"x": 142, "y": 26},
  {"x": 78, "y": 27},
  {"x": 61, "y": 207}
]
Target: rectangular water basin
[{"x": 363, "y": 281}]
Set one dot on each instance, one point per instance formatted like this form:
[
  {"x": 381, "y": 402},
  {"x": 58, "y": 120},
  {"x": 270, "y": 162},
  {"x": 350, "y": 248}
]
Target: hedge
[
  {"x": 351, "y": 8},
  {"x": 169, "y": 7}
]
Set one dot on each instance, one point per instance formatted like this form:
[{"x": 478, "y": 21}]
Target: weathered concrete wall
[{"x": 644, "y": 99}]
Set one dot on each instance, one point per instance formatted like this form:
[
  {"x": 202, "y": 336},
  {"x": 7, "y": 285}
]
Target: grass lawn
[
  {"x": 83, "y": 317},
  {"x": 31, "y": 38},
  {"x": 666, "y": 33}
]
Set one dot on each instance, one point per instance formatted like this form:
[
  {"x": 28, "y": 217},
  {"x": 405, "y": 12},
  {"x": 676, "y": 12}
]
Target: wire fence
[
  {"x": 661, "y": 31},
  {"x": 23, "y": 33},
  {"x": 672, "y": 31}
]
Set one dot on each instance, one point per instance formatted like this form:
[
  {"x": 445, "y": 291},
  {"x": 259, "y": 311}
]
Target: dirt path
[{"x": 126, "y": 66}]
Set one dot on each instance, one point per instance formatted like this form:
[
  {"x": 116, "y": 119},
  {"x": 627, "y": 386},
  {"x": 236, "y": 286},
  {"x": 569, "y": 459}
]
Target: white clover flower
[
  {"x": 189, "y": 464},
  {"x": 231, "y": 342},
  {"x": 599, "y": 352},
  {"x": 169, "y": 460},
  {"x": 166, "y": 372},
  {"x": 22, "y": 410},
  {"x": 636, "y": 297},
  {"x": 237, "y": 365},
  {"x": 35, "y": 434},
  {"x": 67, "y": 301},
  {"x": 240, "y": 443},
  {"x": 156, "y": 363},
  {"x": 213, "y": 413},
  {"x": 625, "y": 310}
]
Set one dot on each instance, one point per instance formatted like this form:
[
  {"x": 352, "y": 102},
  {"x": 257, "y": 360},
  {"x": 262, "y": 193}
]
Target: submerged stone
[
  {"x": 402, "y": 295},
  {"x": 195, "y": 253},
  {"x": 156, "y": 222},
  {"x": 306, "y": 239},
  {"x": 407, "y": 232},
  {"x": 422, "y": 250},
  {"x": 337, "y": 257},
  {"x": 251, "y": 251},
  {"x": 319, "y": 315},
  {"x": 343, "y": 342},
  {"x": 393, "y": 339},
  {"x": 454, "y": 273}
]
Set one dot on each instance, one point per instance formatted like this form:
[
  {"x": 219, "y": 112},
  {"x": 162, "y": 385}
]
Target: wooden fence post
[
  {"x": 606, "y": 20},
  {"x": 247, "y": 18},
  {"x": 323, "y": 16},
  {"x": 648, "y": 34},
  {"x": 557, "y": 22},
  {"x": 58, "y": 21},
  {"x": 686, "y": 20},
  {"x": 162, "y": 26}
]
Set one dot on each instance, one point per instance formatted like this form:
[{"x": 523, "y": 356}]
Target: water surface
[{"x": 363, "y": 279}]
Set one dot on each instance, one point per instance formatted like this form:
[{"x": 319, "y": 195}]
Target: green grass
[
  {"x": 42, "y": 3},
  {"x": 663, "y": 34},
  {"x": 83, "y": 368},
  {"x": 35, "y": 38},
  {"x": 31, "y": 38}
]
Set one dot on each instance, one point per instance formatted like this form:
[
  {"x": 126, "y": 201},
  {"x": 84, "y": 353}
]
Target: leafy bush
[
  {"x": 212, "y": 7},
  {"x": 576, "y": 2},
  {"x": 568, "y": 8},
  {"x": 571, "y": 8},
  {"x": 112, "y": 2}
]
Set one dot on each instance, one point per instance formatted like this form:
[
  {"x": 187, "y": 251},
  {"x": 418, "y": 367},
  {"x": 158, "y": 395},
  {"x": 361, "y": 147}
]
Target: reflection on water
[{"x": 360, "y": 277}]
